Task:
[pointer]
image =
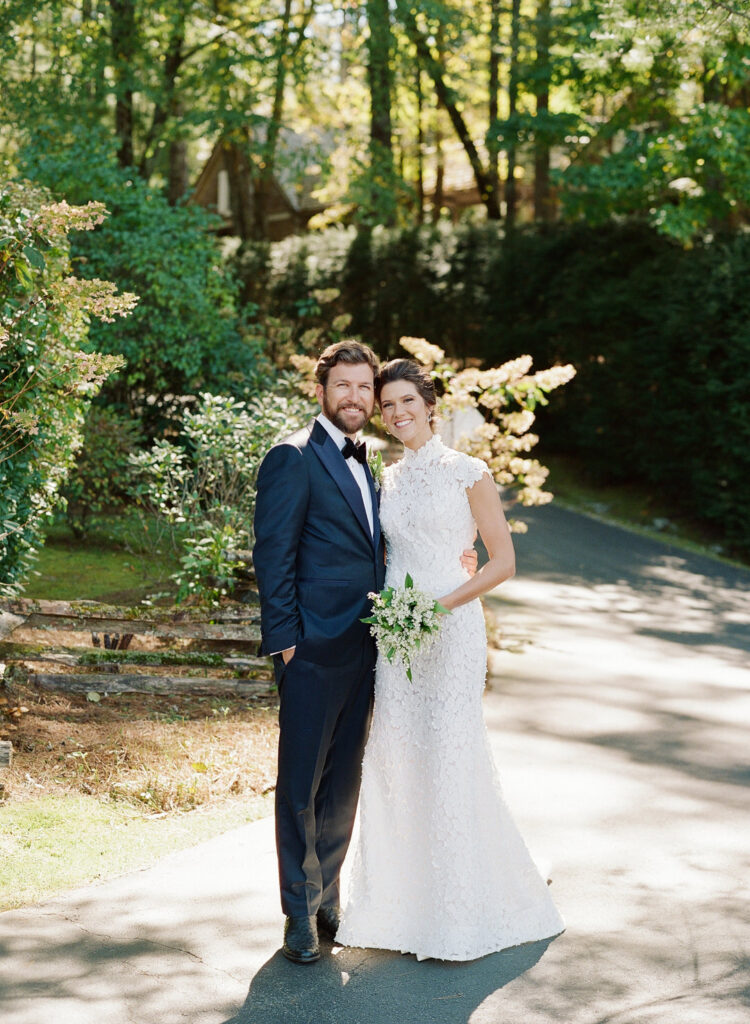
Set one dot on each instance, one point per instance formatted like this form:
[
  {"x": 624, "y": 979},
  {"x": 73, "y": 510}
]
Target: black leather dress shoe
[
  {"x": 301, "y": 940},
  {"x": 328, "y": 921}
]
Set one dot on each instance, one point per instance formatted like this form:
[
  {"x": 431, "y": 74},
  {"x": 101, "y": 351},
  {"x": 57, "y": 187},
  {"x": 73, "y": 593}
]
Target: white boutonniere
[{"x": 375, "y": 462}]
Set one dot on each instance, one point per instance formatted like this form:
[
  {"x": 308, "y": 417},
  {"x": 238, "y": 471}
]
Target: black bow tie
[{"x": 355, "y": 450}]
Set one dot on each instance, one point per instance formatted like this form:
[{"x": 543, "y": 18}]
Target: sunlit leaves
[{"x": 47, "y": 372}]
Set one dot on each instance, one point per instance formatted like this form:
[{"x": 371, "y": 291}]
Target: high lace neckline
[{"x": 429, "y": 452}]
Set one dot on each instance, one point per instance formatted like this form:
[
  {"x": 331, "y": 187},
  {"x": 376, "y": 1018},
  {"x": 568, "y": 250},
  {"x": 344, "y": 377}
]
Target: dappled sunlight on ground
[{"x": 620, "y": 735}]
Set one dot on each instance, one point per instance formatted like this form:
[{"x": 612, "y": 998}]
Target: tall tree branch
[{"x": 447, "y": 98}]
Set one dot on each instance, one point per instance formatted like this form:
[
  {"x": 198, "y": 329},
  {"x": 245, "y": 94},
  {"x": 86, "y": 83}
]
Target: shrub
[
  {"x": 48, "y": 373},
  {"x": 101, "y": 478},
  {"x": 185, "y": 335},
  {"x": 205, "y": 486}
]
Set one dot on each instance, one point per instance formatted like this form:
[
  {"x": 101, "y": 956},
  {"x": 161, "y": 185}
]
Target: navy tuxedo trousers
[{"x": 324, "y": 715}]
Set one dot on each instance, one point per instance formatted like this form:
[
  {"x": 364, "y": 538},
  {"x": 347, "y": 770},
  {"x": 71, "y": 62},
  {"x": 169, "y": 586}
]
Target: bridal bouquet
[{"x": 403, "y": 620}]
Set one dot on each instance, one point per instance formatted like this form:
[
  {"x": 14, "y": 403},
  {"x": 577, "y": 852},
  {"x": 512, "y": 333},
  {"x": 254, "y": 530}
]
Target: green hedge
[{"x": 660, "y": 335}]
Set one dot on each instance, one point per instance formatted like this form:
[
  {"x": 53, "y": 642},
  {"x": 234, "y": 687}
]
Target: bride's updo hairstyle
[{"x": 411, "y": 372}]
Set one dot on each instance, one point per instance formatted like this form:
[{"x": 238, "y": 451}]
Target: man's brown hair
[{"x": 349, "y": 351}]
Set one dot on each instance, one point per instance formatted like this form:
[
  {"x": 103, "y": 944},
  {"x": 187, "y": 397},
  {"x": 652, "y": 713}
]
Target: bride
[{"x": 439, "y": 868}]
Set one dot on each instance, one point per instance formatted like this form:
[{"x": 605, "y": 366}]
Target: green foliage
[
  {"x": 205, "y": 487},
  {"x": 424, "y": 282},
  {"x": 185, "y": 334},
  {"x": 658, "y": 334},
  {"x": 660, "y": 337},
  {"x": 193, "y": 68},
  {"x": 665, "y": 125},
  {"x": 48, "y": 373},
  {"x": 102, "y": 476},
  {"x": 156, "y": 79},
  {"x": 687, "y": 180},
  {"x": 379, "y": 195}
]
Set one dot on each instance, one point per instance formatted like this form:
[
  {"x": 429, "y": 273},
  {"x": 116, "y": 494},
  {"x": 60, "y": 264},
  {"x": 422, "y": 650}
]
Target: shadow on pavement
[
  {"x": 376, "y": 986},
  {"x": 660, "y": 592}
]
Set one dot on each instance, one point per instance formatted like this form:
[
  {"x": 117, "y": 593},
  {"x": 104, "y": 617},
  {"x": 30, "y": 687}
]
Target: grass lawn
[
  {"x": 96, "y": 789},
  {"x": 106, "y": 566},
  {"x": 58, "y": 842}
]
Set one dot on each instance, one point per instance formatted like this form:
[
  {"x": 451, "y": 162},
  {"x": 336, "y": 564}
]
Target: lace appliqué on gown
[{"x": 438, "y": 867}]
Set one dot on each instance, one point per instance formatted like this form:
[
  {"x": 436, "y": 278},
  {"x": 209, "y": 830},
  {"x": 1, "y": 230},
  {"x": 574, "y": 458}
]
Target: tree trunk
[
  {"x": 447, "y": 98},
  {"x": 241, "y": 194},
  {"x": 123, "y": 42},
  {"x": 285, "y": 54},
  {"x": 493, "y": 171},
  {"x": 542, "y": 200},
  {"x": 179, "y": 175},
  {"x": 510, "y": 181},
  {"x": 420, "y": 147},
  {"x": 168, "y": 106},
  {"x": 713, "y": 177},
  {"x": 379, "y": 76},
  {"x": 437, "y": 200},
  {"x": 268, "y": 153}
]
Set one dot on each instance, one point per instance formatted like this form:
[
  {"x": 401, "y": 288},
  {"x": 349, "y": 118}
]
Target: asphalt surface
[{"x": 618, "y": 715}]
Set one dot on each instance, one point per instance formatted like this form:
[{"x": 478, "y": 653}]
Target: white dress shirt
[{"x": 357, "y": 469}]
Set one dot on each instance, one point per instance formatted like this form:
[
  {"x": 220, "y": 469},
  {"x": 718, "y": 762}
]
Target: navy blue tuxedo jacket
[{"x": 314, "y": 556}]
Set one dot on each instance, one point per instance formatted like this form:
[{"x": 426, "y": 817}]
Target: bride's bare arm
[{"x": 487, "y": 510}]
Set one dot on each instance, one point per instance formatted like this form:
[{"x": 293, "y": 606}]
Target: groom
[{"x": 318, "y": 553}]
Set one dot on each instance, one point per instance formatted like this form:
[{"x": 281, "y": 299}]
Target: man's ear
[{"x": 319, "y": 394}]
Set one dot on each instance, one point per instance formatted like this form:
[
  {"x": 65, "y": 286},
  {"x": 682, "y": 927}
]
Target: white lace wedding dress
[{"x": 438, "y": 867}]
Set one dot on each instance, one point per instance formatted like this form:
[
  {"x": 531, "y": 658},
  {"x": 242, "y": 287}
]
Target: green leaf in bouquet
[
  {"x": 391, "y": 653},
  {"x": 439, "y": 608},
  {"x": 408, "y": 674},
  {"x": 370, "y": 620},
  {"x": 408, "y": 582}
]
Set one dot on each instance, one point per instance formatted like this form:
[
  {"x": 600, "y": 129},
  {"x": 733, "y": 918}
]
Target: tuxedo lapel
[{"x": 327, "y": 451}]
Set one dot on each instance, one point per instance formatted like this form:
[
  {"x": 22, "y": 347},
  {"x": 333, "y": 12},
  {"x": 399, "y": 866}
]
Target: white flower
[
  {"x": 404, "y": 620},
  {"x": 375, "y": 462}
]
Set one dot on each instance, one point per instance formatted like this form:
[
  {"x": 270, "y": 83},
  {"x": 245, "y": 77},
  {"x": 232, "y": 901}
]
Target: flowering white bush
[
  {"x": 404, "y": 620},
  {"x": 506, "y": 396}
]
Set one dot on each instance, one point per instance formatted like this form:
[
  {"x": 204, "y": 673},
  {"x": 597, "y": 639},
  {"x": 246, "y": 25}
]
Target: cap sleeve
[{"x": 471, "y": 469}]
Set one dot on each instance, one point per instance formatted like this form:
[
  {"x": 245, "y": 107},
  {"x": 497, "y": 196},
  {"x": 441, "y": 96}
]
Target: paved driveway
[{"x": 619, "y": 719}]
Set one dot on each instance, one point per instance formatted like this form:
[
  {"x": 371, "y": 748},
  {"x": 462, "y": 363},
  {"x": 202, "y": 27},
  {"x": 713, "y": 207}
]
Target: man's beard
[{"x": 338, "y": 420}]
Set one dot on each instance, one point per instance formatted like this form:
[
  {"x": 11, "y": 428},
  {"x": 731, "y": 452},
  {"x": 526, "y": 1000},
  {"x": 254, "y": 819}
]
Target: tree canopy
[{"x": 585, "y": 108}]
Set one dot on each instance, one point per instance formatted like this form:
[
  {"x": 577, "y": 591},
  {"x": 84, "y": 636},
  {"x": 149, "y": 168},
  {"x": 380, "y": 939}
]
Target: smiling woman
[
  {"x": 407, "y": 401},
  {"x": 440, "y": 868}
]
